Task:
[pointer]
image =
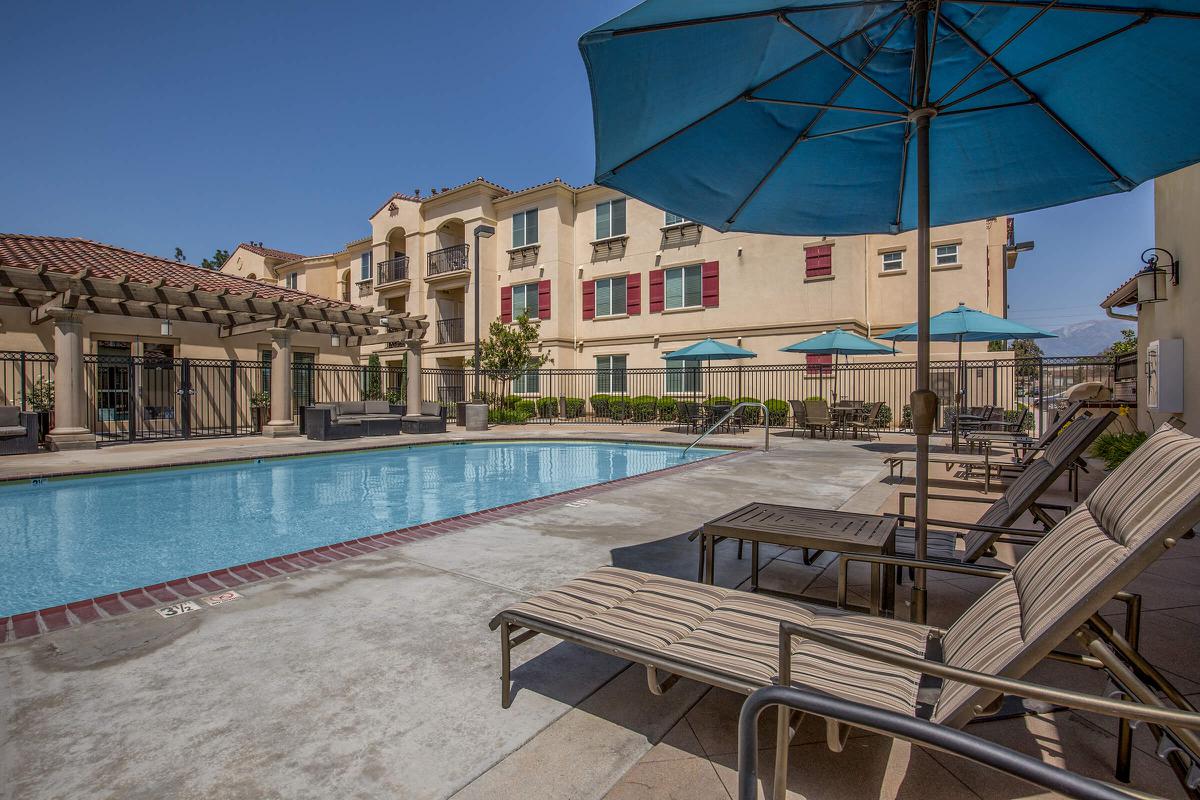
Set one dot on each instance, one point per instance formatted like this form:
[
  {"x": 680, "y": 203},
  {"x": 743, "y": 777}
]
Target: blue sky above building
[{"x": 154, "y": 125}]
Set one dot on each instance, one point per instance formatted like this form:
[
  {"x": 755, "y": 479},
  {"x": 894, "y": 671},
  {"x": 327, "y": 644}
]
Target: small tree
[
  {"x": 506, "y": 352},
  {"x": 179, "y": 256},
  {"x": 1127, "y": 344},
  {"x": 217, "y": 261},
  {"x": 374, "y": 384}
]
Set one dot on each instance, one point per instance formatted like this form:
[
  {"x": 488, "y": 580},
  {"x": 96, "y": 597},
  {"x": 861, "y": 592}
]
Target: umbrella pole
[{"x": 924, "y": 427}]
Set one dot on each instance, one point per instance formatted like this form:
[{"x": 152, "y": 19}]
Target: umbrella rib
[
  {"x": 937, "y": 17},
  {"x": 909, "y": 130},
  {"x": 838, "y": 58},
  {"x": 803, "y": 135},
  {"x": 828, "y": 107},
  {"x": 1040, "y": 104},
  {"x": 991, "y": 57},
  {"x": 1125, "y": 10},
  {"x": 995, "y": 107},
  {"x": 1012, "y": 77},
  {"x": 743, "y": 95}
]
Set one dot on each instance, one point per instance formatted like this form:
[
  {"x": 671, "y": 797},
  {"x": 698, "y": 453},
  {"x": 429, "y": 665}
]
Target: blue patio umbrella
[
  {"x": 837, "y": 342},
  {"x": 842, "y": 116},
  {"x": 711, "y": 350},
  {"x": 964, "y": 324}
]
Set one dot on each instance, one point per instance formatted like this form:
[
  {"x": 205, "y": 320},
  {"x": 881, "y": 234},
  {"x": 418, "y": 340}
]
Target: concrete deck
[{"x": 377, "y": 676}]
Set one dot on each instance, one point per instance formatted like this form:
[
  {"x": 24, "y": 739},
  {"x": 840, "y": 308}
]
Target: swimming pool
[{"x": 72, "y": 539}]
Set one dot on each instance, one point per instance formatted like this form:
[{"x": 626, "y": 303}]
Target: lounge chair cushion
[
  {"x": 10, "y": 417},
  {"x": 376, "y": 407},
  {"x": 732, "y": 633},
  {"x": 9, "y": 431},
  {"x": 1066, "y": 576},
  {"x": 355, "y": 407}
]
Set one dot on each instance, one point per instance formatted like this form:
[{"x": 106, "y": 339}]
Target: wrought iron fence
[
  {"x": 392, "y": 270},
  {"x": 448, "y": 259},
  {"x": 26, "y": 379},
  {"x": 451, "y": 330}
]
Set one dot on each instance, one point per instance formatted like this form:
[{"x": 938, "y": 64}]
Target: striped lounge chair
[{"x": 732, "y": 639}]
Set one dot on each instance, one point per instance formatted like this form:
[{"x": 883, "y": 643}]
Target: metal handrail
[
  {"x": 728, "y": 414},
  {"x": 908, "y": 728}
]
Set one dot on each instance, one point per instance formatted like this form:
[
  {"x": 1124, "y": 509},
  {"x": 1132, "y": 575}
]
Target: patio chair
[
  {"x": 1004, "y": 425},
  {"x": 799, "y": 416},
  {"x": 689, "y": 415},
  {"x": 868, "y": 423},
  {"x": 739, "y": 641},
  {"x": 817, "y": 417},
  {"x": 18, "y": 431}
]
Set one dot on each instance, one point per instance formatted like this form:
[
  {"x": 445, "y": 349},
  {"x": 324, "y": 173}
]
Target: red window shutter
[
  {"x": 633, "y": 294},
  {"x": 710, "y": 284},
  {"x": 544, "y": 300},
  {"x": 658, "y": 290},
  {"x": 819, "y": 363},
  {"x": 506, "y": 304},
  {"x": 818, "y": 261},
  {"x": 589, "y": 299}
]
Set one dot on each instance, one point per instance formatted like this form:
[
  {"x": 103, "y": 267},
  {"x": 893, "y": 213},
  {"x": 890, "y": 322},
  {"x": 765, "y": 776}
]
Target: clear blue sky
[{"x": 152, "y": 125}]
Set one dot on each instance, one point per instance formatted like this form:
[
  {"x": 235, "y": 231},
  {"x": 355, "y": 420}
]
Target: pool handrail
[
  {"x": 908, "y": 728},
  {"x": 728, "y": 414}
]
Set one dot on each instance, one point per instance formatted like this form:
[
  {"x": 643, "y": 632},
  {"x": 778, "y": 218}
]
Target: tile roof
[
  {"x": 72, "y": 255},
  {"x": 269, "y": 252}
]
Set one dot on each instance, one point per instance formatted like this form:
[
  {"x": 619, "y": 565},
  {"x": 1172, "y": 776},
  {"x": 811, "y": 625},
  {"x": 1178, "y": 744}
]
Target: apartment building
[{"x": 614, "y": 282}]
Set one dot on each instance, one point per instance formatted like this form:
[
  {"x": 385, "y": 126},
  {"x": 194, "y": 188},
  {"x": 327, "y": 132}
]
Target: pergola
[{"x": 62, "y": 295}]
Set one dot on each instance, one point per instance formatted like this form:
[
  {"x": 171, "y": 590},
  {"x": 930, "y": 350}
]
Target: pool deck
[{"x": 376, "y": 675}]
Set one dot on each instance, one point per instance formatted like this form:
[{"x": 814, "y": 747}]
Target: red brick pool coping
[{"x": 80, "y": 612}]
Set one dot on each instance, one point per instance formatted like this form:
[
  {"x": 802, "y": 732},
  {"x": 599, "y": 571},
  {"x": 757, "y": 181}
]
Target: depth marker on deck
[{"x": 186, "y": 607}]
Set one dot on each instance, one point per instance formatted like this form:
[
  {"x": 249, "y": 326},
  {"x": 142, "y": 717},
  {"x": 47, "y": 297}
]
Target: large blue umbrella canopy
[
  {"x": 964, "y": 324},
  {"x": 833, "y": 117},
  {"x": 709, "y": 350},
  {"x": 837, "y": 342}
]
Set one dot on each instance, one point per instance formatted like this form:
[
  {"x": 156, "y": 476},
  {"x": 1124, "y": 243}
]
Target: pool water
[{"x": 71, "y": 539}]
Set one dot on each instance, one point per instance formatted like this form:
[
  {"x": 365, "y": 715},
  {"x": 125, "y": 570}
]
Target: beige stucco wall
[{"x": 1177, "y": 229}]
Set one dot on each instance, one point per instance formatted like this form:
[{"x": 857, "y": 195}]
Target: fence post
[
  {"x": 23, "y": 404},
  {"x": 233, "y": 396},
  {"x": 1041, "y": 394},
  {"x": 132, "y": 378},
  {"x": 185, "y": 396}
]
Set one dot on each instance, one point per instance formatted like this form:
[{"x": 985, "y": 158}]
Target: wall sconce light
[
  {"x": 335, "y": 340},
  {"x": 164, "y": 327},
  {"x": 1153, "y": 276},
  {"x": 739, "y": 252}
]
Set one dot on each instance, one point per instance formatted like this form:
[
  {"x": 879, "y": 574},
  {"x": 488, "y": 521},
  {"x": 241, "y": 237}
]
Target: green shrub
[
  {"x": 510, "y": 401},
  {"x": 643, "y": 408},
  {"x": 1116, "y": 447},
  {"x": 778, "y": 409},
  {"x": 751, "y": 415},
  {"x": 667, "y": 408},
  {"x": 527, "y": 407},
  {"x": 618, "y": 407},
  {"x": 906, "y": 417},
  {"x": 507, "y": 416},
  {"x": 547, "y": 407},
  {"x": 575, "y": 407},
  {"x": 1013, "y": 416},
  {"x": 885, "y": 416},
  {"x": 719, "y": 400},
  {"x": 600, "y": 404}
]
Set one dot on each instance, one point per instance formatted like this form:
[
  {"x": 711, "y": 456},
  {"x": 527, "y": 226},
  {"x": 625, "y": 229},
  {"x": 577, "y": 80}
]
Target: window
[
  {"x": 527, "y": 382},
  {"x": 818, "y": 261},
  {"x": 611, "y": 296},
  {"x": 364, "y": 266},
  {"x": 683, "y": 287},
  {"x": 525, "y": 230},
  {"x": 292, "y": 280},
  {"x": 302, "y": 379},
  {"x": 674, "y": 219},
  {"x": 683, "y": 377},
  {"x": 610, "y": 374},
  {"x": 525, "y": 300},
  {"x": 893, "y": 261},
  {"x": 945, "y": 255},
  {"x": 610, "y": 218}
]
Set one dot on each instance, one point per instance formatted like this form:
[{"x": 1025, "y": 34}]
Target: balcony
[
  {"x": 448, "y": 260},
  {"x": 451, "y": 331},
  {"x": 392, "y": 270}
]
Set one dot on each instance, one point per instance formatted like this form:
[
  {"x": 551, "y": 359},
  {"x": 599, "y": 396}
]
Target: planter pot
[
  {"x": 44, "y": 425},
  {"x": 460, "y": 413},
  {"x": 476, "y": 415},
  {"x": 261, "y": 417}
]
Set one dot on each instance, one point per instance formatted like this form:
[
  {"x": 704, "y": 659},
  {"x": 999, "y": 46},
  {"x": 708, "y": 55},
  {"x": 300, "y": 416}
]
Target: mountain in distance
[{"x": 1084, "y": 338}]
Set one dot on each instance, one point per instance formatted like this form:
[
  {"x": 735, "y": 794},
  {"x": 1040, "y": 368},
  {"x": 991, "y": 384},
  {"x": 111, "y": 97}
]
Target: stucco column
[
  {"x": 70, "y": 431},
  {"x": 281, "y": 423},
  {"x": 414, "y": 378}
]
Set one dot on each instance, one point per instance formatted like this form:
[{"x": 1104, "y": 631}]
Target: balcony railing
[
  {"x": 392, "y": 270},
  {"x": 448, "y": 259},
  {"x": 451, "y": 331}
]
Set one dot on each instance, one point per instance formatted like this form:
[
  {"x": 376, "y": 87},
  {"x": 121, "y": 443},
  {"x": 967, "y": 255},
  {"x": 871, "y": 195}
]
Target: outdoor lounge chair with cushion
[
  {"x": 732, "y": 639},
  {"x": 18, "y": 431}
]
